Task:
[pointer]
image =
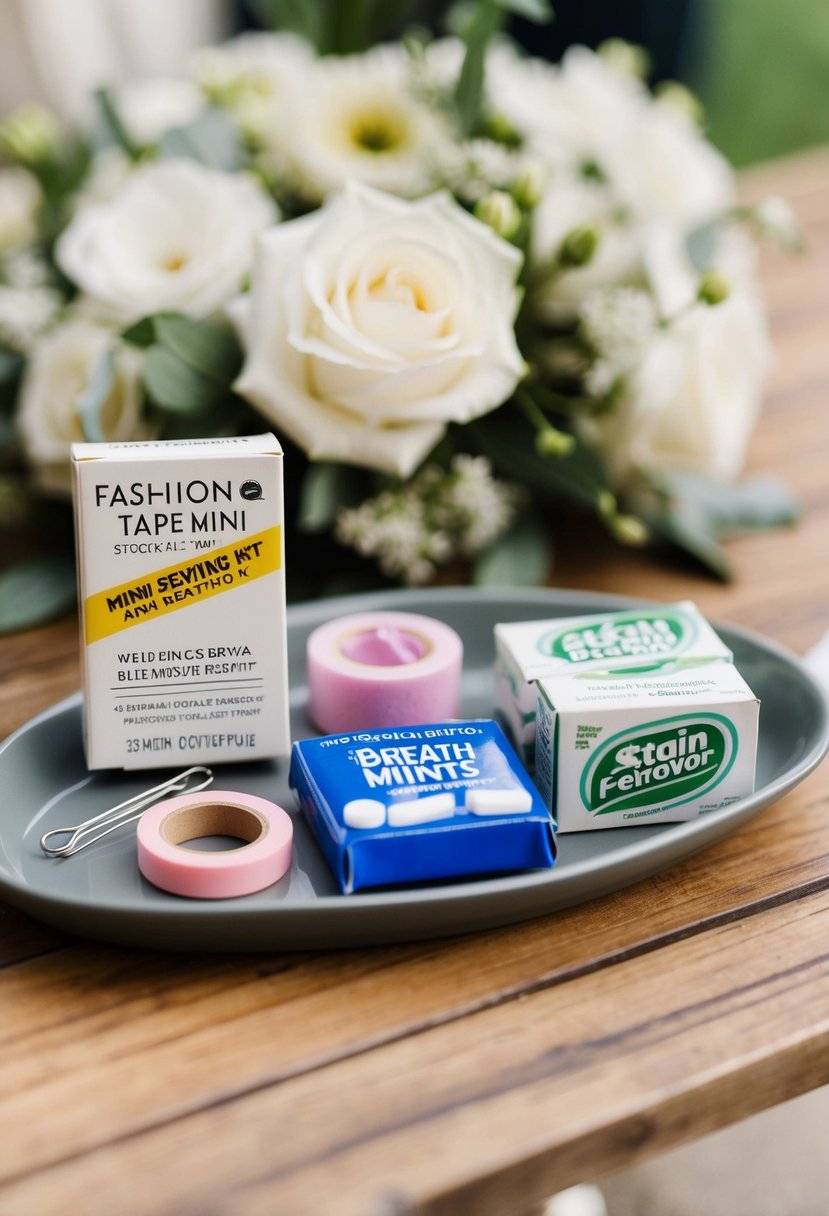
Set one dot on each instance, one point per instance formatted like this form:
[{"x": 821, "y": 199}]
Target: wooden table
[{"x": 474, "y": 1075}]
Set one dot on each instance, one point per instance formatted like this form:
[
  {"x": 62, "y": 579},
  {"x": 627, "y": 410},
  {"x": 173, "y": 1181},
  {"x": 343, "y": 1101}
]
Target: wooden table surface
[{"x": 471, "y": 1075}]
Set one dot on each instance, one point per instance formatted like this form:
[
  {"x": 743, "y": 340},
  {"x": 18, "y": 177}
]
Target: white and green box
[
  {"x": 630, "y": 640},
  {"x": 615, "y": 750}
]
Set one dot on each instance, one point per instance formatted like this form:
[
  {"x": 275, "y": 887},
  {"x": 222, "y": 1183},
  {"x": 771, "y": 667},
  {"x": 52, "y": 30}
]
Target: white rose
[
  {"x": 375, "y": 321},
  {"x": 20, "y": 198},
  {"x": 177, "y": 236},
  {"x": 57, "y": 374},
  {"x": 660, "y": 164},
  {"x": 694, "y": 398}
]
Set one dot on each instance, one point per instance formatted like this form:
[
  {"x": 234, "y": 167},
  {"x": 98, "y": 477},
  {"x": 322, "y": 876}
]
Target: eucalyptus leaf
[
  {"x": 98, "y": 387},
  {"x": 211, "y": 139},
  {"x": 539, "y": 11},
  {"x": 701, "y": 245},
  {"x": 759, "y": 502},
  {"x": 113, "y": 125},
  {"x": 35, "y": 591},
  {"x": 174, "y": 385},
  {"x": 324, "y": 490},
  {"x": 521, "y": 557},
  {"x": 688, "y": 526},
  {"x": 208, "y": 348}
]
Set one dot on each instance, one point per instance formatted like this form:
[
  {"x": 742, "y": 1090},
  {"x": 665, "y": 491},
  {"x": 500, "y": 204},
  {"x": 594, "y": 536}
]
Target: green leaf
[
  {"x": 174, "y": 385},
  {"x": 212, "y": 139},
  {"x": 509, "y": 443},
  {"x": 98, "y": 387},
  {"x": 325, "y": 488},
  {"x": 696, "y": 512},
  {"x": 114, "y": 126},
  {"x": 303, "y": 17},
  {"x": 141, "y": 333},
  {"x": 11, "y": 365},
  {"x": 485, "y": 22},
  {"x": 521, "y": 557},
  {"x": 539, "y": 11},
  {"x": 689, "y": 527},
  {"x": 35, "y": 591},
  {"x": 205, "y": 346}
]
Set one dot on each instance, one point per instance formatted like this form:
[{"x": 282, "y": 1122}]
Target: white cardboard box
[
  {"x": 181, "y": 582},
  {"x": 526, "y": 651},
  {"x": 614, "y": 750}
]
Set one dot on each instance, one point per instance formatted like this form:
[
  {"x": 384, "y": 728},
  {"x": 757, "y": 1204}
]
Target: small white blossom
[
  {"x": 618, "y": 322},
  {"x": 25, "y": 313},
  {"x": 475, "y": 506},
  {"x": 437, "y": 516},
  {"x": 393, "y": 528},
  {"x": 474, "y": 167},
  {"x": 25, "y": 268}
]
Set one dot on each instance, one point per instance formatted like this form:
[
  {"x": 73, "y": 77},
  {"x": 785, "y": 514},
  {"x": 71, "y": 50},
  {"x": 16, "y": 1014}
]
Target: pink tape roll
[
  {"x": 377, "y": 669},
  {"x": 165, "y": 861}
]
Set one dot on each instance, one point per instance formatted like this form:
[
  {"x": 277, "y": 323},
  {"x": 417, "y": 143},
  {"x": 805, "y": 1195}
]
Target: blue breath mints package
[{"x": 421, "y": 803}]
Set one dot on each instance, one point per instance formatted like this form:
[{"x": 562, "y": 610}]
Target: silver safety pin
[{"x": 125, "y": 812}]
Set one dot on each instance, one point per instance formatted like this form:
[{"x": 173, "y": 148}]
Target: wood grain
[
  {"x": 713, "y": 1024},
  {"x": 475, "y": 1074}
]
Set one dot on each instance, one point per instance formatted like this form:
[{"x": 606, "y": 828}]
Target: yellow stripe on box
[{"x": 198, "y": 578}]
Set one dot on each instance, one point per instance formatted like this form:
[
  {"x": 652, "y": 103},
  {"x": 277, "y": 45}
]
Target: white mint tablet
[
  {"x": 364, "y": 813},
  {"x": 421, "y": 810},
  {"x": 499, "y": 802}
]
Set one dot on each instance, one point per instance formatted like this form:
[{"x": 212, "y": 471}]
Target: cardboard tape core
[{"x": 212, "y": 819}]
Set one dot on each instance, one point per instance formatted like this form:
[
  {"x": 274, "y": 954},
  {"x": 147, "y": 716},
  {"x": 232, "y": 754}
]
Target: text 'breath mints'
[{"x": 433, "y": 802}]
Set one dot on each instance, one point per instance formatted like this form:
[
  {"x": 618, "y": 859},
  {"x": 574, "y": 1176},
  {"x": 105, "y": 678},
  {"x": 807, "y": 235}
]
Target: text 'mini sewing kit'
[{"x": 609, "y": 720}]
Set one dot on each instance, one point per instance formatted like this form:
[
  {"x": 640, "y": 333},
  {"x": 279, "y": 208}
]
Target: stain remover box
[
  {"x": 181, "y": 583},
  {"x": 616, "y": 750}
]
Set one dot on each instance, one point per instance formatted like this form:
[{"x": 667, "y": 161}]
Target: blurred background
[{"x": 758, "y": 66}]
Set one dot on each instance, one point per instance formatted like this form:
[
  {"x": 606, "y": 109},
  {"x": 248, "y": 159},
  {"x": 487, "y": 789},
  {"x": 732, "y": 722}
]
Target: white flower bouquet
[{"x": 463, "y": 285}]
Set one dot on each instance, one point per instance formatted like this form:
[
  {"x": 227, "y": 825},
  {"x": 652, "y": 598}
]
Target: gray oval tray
[{"x": 99, "y": 893}]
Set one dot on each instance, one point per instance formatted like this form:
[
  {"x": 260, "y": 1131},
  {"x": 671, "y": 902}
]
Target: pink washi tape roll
[
  {"x": 377, "y": 669},
  {"x": 165, "y": 861}
]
